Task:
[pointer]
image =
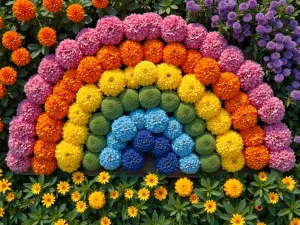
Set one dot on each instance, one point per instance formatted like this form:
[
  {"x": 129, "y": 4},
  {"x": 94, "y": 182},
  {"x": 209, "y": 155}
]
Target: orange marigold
[
  {"x": 244, "y": 117},
  {"x": 100, "y": 4},
  {"x": 63, "y": 92},
  {"x": 256, "y": 157},
  {"x": 109, "y": 57},
  {"x": 53, "y": 6},
  {"x": 47, "y": 36},
  {"x": 75, "y": 12},
  {"x": 174, "y": 53},
  {"x": 2, "y": 90},
  {"x": 192, "y": 59},
  {"x": 153, "y": 50},
  {"x": 43, "y": 166},
  {"x": 56, "y": 107},
  {"x": 226, "y": 86},
  {"x": 71, "y": 80},
  {"x": 48, "y": 129},
  {"x": 239, "y": 99},
  {"x": 23, "y": 10},
  {"x": 131, "y": 52},
  {"x": 207, "y": 71},
  {"x": 1, "y": 22},
  {"x": 1, "y": 126},
  {"x": 11, "y": 40},
  {"x": 89, "y": 69},
  {"x": 253, "y": 136},
  {"x": 20, "y": 57},
  {"x": 44, "y": 149},
  {"x": 8, "y": 75}
]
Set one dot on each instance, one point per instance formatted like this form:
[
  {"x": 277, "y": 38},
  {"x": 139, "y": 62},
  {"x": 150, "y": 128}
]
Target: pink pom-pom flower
[
  {"x": 18, "y": 164},
  {"x": 231, "y": 59},
  {"x": 272, "y": 111},
  {"x": 173, "y": 29},
  {"x": 89, "y": 42},
  {"x": 21, "y": 147},
  {"x": 195, "y": 35},
  {"x": 153, "y": 21},
  {"x": 110, "y": 30},
  {"x": 19, "y": 128},
  {"x": 212, "y": 46},
  {"x": 29, "y": 111},
  {"x": 50, "y": 70},
  {"x": 277, "y": 136},
  {"x": 260, "y": 94},
  {"x": 283, "y": 161},
  {"x": 135, "y": 27},
  {"x": 82, "y": 32}
]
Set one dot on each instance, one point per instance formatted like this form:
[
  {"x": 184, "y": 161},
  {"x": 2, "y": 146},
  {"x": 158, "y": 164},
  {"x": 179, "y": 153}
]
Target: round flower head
[
  {"x": 183, "y": 145},
  {"x": 256, "y": 157},
  {"x": 138, "y": 117},
  {"x": 169, "y": 77},
  {"x": 44, "y": 149},
  {"x": 145, "y": 73},
  {"x": 233, "y": 163},
  {"x": 21, "y": 147},
  {"x": 61, "y": 90},
  {"x": 19, "y": 128},
  {"x": 89, "y": 97},
  {"x": 110, "y": 159},
  {"x": 42, "y": 166},
  {"x": 272, "y": 111},
  {"x": 189, "y": 164},
  {"x": 23, "y": 10},
  {"x": 244, "y": 117},
  {"x": 153, "y": 50},
  {"x": 114, "y": 143},
  {"x": 56, "y": 107},
  {"x": 48, "y": 129},
  {"x": 131, "y": 52},
  {"x": 153, "y": 21},
  {"x": 53, "y": 6},
  {"x": 74, "y": 134},
  {"x": 2, "y": 90},
  {"x": 82, "y": 32},
  {"x": 8, "y": 75},
  {"x": 109, "y": 57},
  {"x": 259, "y": 95},
  {"x": 184, "y": 187},
  {"x": 20, "y": 57},
  {"x": 207, "y": 71},
  {"x": 47, "y": 36},
  {"x": 174, "y": 129},
  {"x": 50, "y": 70},
  {"x": 68, "y": 54},
  {"x": 239, "y": 99},
  {"x": 283, "y": 160},
  {"x": 156, "y": 120},
  {"x": 110, "y": 30},
  {"x": 71, "y": 80},
  {"x": 277, "y": 136},
  {"x": 89, "y": 42},
  {"x": 220, "y": 123},
  {"x": 253, "y": 136},
  {"x": 191, "y": 61},
  {"x": 231, "y": 59},
  {"x": 229, "y": 144},
  {"x": 135, "y": 27},
  {"x": 174, "y": 53},
  {"x": 77, "y": 115},
  {"x": 11, "y": 40},
  {"x": 233, "y": 188},
  {"x": 195, "y": 35},
  {"x": 168, "y": 164},
  {"x": 213, "y": 44},
  {"x": 143, "y": 141},
  {"x": 89, "y": 69},
  {"x": 130, "y": 81},
  {"x": 162, "y": 146},
  {"x": 132, "y": 160},
  {"x": 100, "y": 4},
  {"x": 208, "y": 106},
  {"x": 124, "y": 129},
  {"x": 173, "y": 29},
  {"x": 190, "y": 89},
  {"x": 29, "y": 111},
  {"x": 37, "y": 89},
  {"x": 75, "y": 13},
  {"x": 112, "y": 82},
  {"x": 250, "y": 74},
  {"x": 227, "y": 86},
  {"x": 97, "y": 200},
  {"x": 18, "y": 164}
]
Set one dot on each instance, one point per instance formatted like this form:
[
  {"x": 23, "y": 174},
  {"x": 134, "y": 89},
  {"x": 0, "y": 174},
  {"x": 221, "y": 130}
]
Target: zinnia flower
[
  {"x": 105, "y": 221},
  {"x": 36, "y": 188},
  {"x": 23, "y": 10},
  {"x": 47, "y": 36},
  {"x": 89, "y": 69},
  {"x": 20, "y": 57},
  {"x": 153, "y": 50},
  {"x": 5, "y": 185},
  {"x": 114, "y": 194},
  {"x": 8, "y": 75},
  {"x": 97, "y": 200},
  {"x": 10, "y": 196},
  {"x": 160, "y": 193},
  {"x": 53, "y": 6},
  {"x": 77, "y": 177},
  {"x": 151, "y": 180},
  {"x": 129, "y": 194},
  {"x": 63, "y": 187},
  {"x": 289, "y": 182},
  {"x": 81, "y": 206},
  {"x": 184, "y": 187},
  {"x": 174, "y": 54},
  {"x": 75, "y": 13},
  {"x": 132, "y": 211},
  {"x": 210, "y": 206},
  {"x": 11, "y": 40},
  {"x": 48, "y": 200},
  {"x": 194, "y": 198},
  {"x": 237, "y": 219},
  {"x": 143, "y": 194},
  {"x": 100, "y": 4},
  {"x": 75, "y": 196},
  {"x": 109, "y": 57},
  {"x": 131, "y": 52},
  {"x": 273, "y": 197},
  {"x": 233, "y": 188}
]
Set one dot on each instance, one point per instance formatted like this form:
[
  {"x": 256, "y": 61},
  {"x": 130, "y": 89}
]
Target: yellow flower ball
[
  {"x": 220, "y": 123},
  {"x": 77, "y": 116},
  {"x": 233, "y": 163},
  {"x": 68, "y": 156},
  {"x": 130, "y": 81},
  {"x": 89, "y": 97},
  {"x": 208, "y": 106},
  {"x": 184, "y": 187},
  {"x": 97, "y": 200},
  {"x": 190, "y": 89},
  {"x": 145, "y": 73},
  {"x": 233, "y": 188},
  {"x": 168, "y": 78},
  {"x": 75, "y": 134},
  {"x": 112, "y": 82},
  {"x": 229, "y": 144}
]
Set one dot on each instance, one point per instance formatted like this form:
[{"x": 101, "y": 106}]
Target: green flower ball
[
  {"x": 169, "y": 101},
  {"x": 185, "y": 113},
  {"x": 210, "y": 163},
  {"x": 130, "y": 100},
  {"x": 195, "y": 128},
  {"x": 95, "y": 143},
  {"x": 111, "y": 108},
  {"x": 149, "y": 97},
  {"x": 91, "y": 161},
  {"x": 205, "y": 144},
  {"x": 99, "y": 125}
]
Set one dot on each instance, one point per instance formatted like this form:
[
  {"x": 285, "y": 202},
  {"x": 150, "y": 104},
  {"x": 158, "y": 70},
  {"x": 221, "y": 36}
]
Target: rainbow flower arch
[{"x": 148, "y": 85}]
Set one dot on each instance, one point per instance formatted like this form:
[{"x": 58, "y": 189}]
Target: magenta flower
[
  {"x": 173, "y": 29},
  {"x": 153, "y": 21},
  {"x": 283, "y": 161},
  {"x": 231, "y": 59},
  {"x": 19, "y": 128},
  {"x": 29, "y": 111},
  {"x": 81, "y": 32},
  {"x": 135, "y": 27},
  {"x": 110, "y": 30},
  {"x": 260, "y": 94},
  {"x": 21, "y": 147},
  {"x": 213, "y": 44},
  {"x": 18, "y": 164},
  {"x": 277, "y": 136},
  {"x": 89, "y": 42},
  {"x": 195, "y": 35},
  {"x": 271, "y": 111},
  {"x": 50, "y": 70}
]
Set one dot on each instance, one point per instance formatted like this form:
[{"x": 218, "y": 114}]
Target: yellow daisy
[
  {"x": 48, "y": 200},
  {"x": 105, "y": 221},
  {"x": 262, "y": 176},
  {"x": 10, "y": 196},
  {"x": 129, "y": 194},
  {"x": 274, "y": 198},
  {"x": 75, "y": 196},
  {"x": 81, "y": 206},
  {"x": 103, "y": 177},
  {"x": 210, "y": 206},
  {"x": 77, "y": 177},
  {"x": 151, "y": 180},
  {"x": 160, "y": 193},
  {"x": 132, "y": 211},
  {"x": 237, "y": 219},
  {"x": 260, "y": 223},
  {"x": 194, "y": 198},
  {"x": 114, "y": 194},
  {"x": 289, "y": 182},
  {"x": 144, "y": 194},
  {"x": 1, "y": 212},
  {"x": 4, "y": 185},
  {"x": 61, "y": 222},
  {"x": 295, "y": 221},
  {"x": 63, "y": 187},
  {"x": 36, "y": 189}
]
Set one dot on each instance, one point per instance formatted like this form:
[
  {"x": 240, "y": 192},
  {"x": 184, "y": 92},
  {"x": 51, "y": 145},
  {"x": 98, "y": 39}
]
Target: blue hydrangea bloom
[
  {"x": 143, "y": 141},
  {"x": 124, "y": 129},
  {"x": 174, "y": 129},
  {"x": 189, "y": 164},
  {"x": 114, "y": 143},
  {"x": 110, "y": 158},
  {"x": 162, "y": 146},
  {"x": 183, "y": 145},
  {"x": 167, "y": 164},
  {"x": 132, "y": 160},
  {"x": 138, "y": 117},
  {"x": 156, "y": 120}
]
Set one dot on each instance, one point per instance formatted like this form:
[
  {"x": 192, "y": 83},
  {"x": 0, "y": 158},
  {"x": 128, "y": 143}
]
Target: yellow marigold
[
  {"x": 132, "y": 211},
  {"x": 114, "y": 195},
  {"x": 103, "y": 177},
  {"x": 20, "y": 57},
  {"x": 75, "y": 196},
  {"x": 129, "y": 194},
  {"x": 109, "y": 57},
  {"x": 61, "y": 90},
  {"x": 112, "y": 82},
  {"x": 253, "y": 136},
  {"x": 77, "y": 116},
  {"x": 160, "y": 193},
  {"x": 237, "y": 219},
  {"x": 131, "y": 52},
  {"x": 208, "y": 106},
  {"x": 194, "y": 198},
  {"x": 244, "y": 117},
  {"x": 89, "y": 69},
  {"x": 63, "y": 187},
  {"x": 220, "y": 123},
  {"x": 145, "y": 73},
  {"x": 210, "y": 206},
  {"x": 233, "y": 188},
  {"x": 97, "y": 200},
  {"x": 273, "y": 198},
  {"x": 190, "y": 89},
  {"x": 289, "y": 182},
  {"x": 233, "y": 163},
  {"x": 2, "y": 90},
  {"x": 77, "y": 177},
  {"x": 53, "y": 6},
  {"x": 151, "y": 180},
  {"x": 8, "y": 75},
  {"x": 23, "y": 10},
  {"x": 174, "y": 54},
  {"x": 100, "y": 4},
  {"x": 56, "y": 107},
  {"x": 169, "y": 77},
  {"x": 75, "y": 12},
  {"x": 48, "y": 200},
  {"x": 239, "y": 99},
  {"x": 1, "y": 23},
  {"x": 48, "y": 129},
  {"x": 153, "y": 50},
  {"x": 256, "y": 157},
  {"x": 143, "y": 194},
  {"x": 11, "y": 40},
  {"x": 192, "y": 58},
  {"x": 105, "y": 221},
  {"x": 75, "y": 134},
  {"x": 207, "y": 71},
  {"x": 71, "y": 80},
  {"x": 68, "y": 156},
  {"x": 262, "y": 176},
  {"x": 184, "y": 187},
  {"x": 295, "y": 221},
  {"x": 89, "y": 97},
  {"x": 226, "y": 86},
  {"x": 229, "y": 144},
  {"x": 81, "y": 206},
  {"x": 47, "y": 36},
  {"x": 130, "y": 81}
]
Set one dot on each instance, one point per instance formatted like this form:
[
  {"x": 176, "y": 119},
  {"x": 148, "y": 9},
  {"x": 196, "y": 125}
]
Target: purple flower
[
  {"x": 296, "y": 84},
  {"x": 295, "y": 95},
  {"x": 229, "y": 23},
  {"x": 297, "y": 139},
  {"x": 110, "y": 30},
  {"x": 293, "y": 24},
  {"x": 260, "y": 94},
  {"x": 284, "y": 61},
  {"x": 267, "y": 58},
  {"x": 246, "y": 26},
  {"x": 231, "y": 59},
  {"x": 275, "y": 55},
  {"x": 279, "y": 37},
  {"x": 266, "y": 37},
  {"x": 288, "y": 55},
  {"x": 190, "y": 5},
  {"x": 231, "y": 16},
  {"x": 208, "y": 3},
  {"x": 247, "y": 33},
  {"x": 196, "y": 34},
  {"x": 252, "y": 4},
  {"x": 173, "y": 29},
  {"x": 277, "y": 63},
  {"x": 268, "y": 29},
  {"x": 260, "y": 29},
  {"x": 247, "y": 18},
  {"x": 286, "y": 72},
  {"x": 290, "y": 9},
  {"x": 283, "y": 160},
  {"x": 231, "y": 4},
  {"x": 277, "y": 70},
  {"x": 243, "y": 7},
  {"x": 196, "y": 8},
  {"x": 278, "y": 24},
  {"x": 297, "y": 75},
  {"x": 273, "y": 5},
  {"x": 260, "y": 17},
  {"x": 270, "y": 65},
  {"x": 288, "y": 88},
  {"x": 50, "y": 70},
  {"x": 279, "y": 78},
  {"x": 277, "y": 136},
  {"x": 279, "y": 47},
  {"x": 241, "y": 39},
  {"x": 269, "y": 15},
  {"x": 297, "y": 31},
  {"x": 270, "y": 45},
  {"x": 237, "y": 27},
  {"x": 281, "y": 3},
  {"x": 215, "y": 18},
  {"x": 261, "y": 43},
  {"x": 272, "y": 111},
  {"x": 213, "y": 44}
]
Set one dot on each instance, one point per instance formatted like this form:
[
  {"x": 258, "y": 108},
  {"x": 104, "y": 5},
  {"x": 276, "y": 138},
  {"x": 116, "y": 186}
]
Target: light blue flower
[
  {"x": 124, "y": 129},
  {"x": 189, "y": 164},
  {"x": 156, "y": 120}
]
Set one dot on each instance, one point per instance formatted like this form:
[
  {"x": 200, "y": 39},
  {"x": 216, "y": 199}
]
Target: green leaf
[
  {"x": 35, "y": 54},
  {"x": 8, "y": 112},
  {"x": 10, "y": 3},
  {"x": 132, "y": 6},
  {"x": 110, "y": 11},
  {"x": 168, "y": 10},
  {"x": 75, "y": 28},
  {"x": 34, "y": 46},
  {"x": 283, "y": 212}
]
